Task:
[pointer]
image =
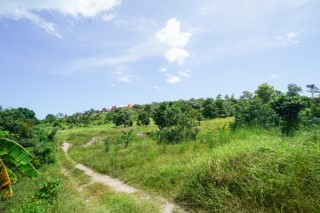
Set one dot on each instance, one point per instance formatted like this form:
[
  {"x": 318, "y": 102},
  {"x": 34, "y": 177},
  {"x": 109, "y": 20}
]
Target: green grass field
[{"x": 249, "y": 170}]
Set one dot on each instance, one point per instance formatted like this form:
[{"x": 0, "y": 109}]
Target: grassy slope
[
  {"x": 246, "y": 171},
  {"x": 249, "y": 170},
  {"x": 95, "y": 198}
]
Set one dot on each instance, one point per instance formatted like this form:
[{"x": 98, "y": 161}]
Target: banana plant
[{"x": 13, "y": 156}]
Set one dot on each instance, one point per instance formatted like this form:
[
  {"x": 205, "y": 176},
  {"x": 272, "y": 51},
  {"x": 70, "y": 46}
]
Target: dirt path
[
  {"x": 115, "y": 184},
  {"x": 91, "y": 142}
]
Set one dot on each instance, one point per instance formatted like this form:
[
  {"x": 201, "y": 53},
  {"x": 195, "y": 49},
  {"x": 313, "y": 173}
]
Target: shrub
[
  {"x": 125, "y": 138},
  {"x": 288, "y": 108},
  {"x": 174, "y": 124},
  {"x": 122, "y": 117},
  {"x": 49, "y": 191}
]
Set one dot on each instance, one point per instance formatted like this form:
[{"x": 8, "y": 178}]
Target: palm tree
[{"x": 13, "y": 157}]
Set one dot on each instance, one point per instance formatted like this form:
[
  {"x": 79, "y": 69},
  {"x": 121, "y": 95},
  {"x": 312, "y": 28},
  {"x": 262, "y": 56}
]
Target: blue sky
[{"x": 69, "y": 55}]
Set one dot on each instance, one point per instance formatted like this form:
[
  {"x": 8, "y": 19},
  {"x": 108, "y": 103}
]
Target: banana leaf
[
  {"x": 14, "y": 155},
  {"x": 12, "y": 176},
  {"x": 5, "y": 183},
  {"x": 14, "y": 150},
  {"x": 28, "y": 170}
]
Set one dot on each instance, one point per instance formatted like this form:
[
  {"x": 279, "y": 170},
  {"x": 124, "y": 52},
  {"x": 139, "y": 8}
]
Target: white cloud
[
  {"x": 157, "y": 88},
  {"x": 203, "y": 11},
  {"x": 274, "y": 76},
  {"x": 176, "y": 54},
  {"x": 290, "y": 38},
  {"x": 85, "y": 8},
  {"x": 163, "y": 70},
  {"x": 47, "y": 26},
  {"x": 109, "y": 17},
  {"x": 185, "y": 74},
  {"x": 230, "y": 29},
  {"x": 123, "y": 76},
  {"x": 172, "y": 36},
  {"x": 173, "y": 79},
  {"x": 251, "y": 44},
  {"x": 21, "y": 9},
  {"x": 105, "y": 60}
]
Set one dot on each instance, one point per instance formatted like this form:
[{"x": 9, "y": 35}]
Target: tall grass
[
  {"x": 259, "y": 174},
  {"x": 250, "y": 170}
]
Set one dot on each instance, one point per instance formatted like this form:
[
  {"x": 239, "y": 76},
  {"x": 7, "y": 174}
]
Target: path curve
[
  {"x": 91, "y": 142},
  {"x": 115, "y": 184}
]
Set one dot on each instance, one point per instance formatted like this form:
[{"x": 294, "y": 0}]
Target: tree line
[
  {"x": 266, "y": 107},
  {"x": 177, "y": 121}
]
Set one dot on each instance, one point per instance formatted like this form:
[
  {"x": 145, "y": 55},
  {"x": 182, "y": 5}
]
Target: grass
[
  {"x": 262, "y": 173},
  {"x": 93, "y": 198},
  {"x": 249, "y": 170}
]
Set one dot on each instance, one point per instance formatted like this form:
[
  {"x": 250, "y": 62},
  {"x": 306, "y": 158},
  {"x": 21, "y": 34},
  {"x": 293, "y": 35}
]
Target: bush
[
  {"x": 288, "y": 108},
  {"x": 49, "y": 191},
  {"x": 122, "y": 117},
  {"x": 174, "y": 124},
  {"x": 125, "y": 138},
  {"x": 143, "y": 118}
]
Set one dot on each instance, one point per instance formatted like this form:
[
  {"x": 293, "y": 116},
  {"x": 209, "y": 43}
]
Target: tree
[
  {"x": 122, "y": 117},
  {"x": 220, "y": 107},
  {"x": 293, "y": 90},
  {"x": 246, "y": 95},
  {"x": 13, "y": 156},
  {"x": 175, "y": 125},
  {"x": 209, "y": 109},
  {"x": 313, "y": 89},
  {"x": 159, "y": 115},
  {"x": 288, "y": 107},
  {"x": 144, "y": 118},
  {"x": 18, "y": 122},
  {"x": 253, "y": 112},
  {"x": 265, "y": 92},
  {"x": 50, "y": 118}
]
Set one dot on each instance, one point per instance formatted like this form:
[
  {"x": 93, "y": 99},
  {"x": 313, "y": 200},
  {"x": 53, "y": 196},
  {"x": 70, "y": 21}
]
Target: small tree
[
  {"x": 288, "y": 107},
  {"x": 122, "y": 117},
  {"x": 175, "y": 125},
  {"x": 144, "y": 118},
  {"x": 313, "y": 89},
  {"x": 126, "y": 138},
  {"x": 293, "y": 90},
  {"x": 265, "y": 92},
  {"x": 209, "y": 109}
]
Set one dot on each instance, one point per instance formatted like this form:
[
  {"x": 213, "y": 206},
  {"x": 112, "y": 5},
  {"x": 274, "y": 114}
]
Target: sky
[{"x": 68, "y": 56}]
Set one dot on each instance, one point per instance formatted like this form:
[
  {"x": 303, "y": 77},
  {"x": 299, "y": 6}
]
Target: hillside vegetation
[
  {"x": 249, "y": 170},
  {"x": 258, "y": 153}
]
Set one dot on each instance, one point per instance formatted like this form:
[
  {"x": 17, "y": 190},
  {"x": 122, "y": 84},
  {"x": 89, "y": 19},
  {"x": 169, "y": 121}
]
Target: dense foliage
[
  {"x": 270, "y": 108},
  {"x": 22, "y": 126},
  {"x": 223, "y": 170},
  {"x": 175, "y": 123}
]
